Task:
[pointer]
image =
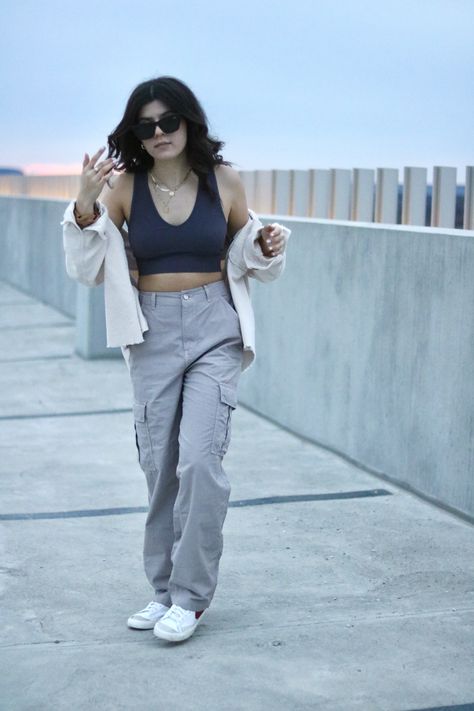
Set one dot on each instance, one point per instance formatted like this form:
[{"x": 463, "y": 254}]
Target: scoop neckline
[{"x": 169, "y": 224}]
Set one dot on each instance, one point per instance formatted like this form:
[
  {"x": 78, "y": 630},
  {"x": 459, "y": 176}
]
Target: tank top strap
[{"x": 213, "y": 179}]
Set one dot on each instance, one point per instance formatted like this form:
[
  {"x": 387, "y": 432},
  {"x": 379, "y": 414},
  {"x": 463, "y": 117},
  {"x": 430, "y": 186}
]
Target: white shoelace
[
  {"x": 176, "y": 613},
  {"x": 150, "y": 607}
]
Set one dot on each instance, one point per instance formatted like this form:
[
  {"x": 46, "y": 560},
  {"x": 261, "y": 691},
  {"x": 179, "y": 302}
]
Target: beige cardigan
[{"x": 101, "y": 253}]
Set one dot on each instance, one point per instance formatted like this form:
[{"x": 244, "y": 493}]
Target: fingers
[
  {"x": 105, "y": 167},
  {"x": 102, "y": 170},
  {"x": 272, "y": 240},
  {"x": 95, "y": 175},
  {"x": 92, "y": 161},
  {"x": 273, "y": 248},
  {"x": 95, "y": 157}
]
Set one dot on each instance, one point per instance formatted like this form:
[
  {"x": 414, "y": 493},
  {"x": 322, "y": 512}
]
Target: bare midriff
[{"x": 179, "y": 281}]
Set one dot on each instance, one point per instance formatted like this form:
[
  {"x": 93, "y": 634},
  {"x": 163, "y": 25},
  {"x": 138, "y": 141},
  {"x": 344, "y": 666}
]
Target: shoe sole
[
  {"x": 141, "y": 625},
  {"x": 175, "y": 636},
  {"x": 137, "y": 625}
]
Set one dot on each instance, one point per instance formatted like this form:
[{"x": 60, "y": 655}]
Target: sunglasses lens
[
  {"x": 146, "y": 130},
  {"x": 170, "y": 123}
]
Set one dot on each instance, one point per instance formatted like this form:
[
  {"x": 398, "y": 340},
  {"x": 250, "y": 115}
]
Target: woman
[{"x": 183, "y": 204}]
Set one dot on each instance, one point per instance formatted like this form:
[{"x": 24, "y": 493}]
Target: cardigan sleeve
[{"x": 85, "y": 248}]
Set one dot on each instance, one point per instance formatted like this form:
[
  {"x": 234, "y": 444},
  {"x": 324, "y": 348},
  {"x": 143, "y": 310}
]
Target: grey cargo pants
[{"x": 184, "y": 379}]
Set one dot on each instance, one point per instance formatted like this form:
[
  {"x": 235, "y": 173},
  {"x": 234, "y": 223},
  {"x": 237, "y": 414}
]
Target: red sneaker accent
[{"x": 198, "y": 614}]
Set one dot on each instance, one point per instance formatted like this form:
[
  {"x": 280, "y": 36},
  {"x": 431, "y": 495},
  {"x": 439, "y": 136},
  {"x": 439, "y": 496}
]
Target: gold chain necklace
[{"x": 165, "y": 189}]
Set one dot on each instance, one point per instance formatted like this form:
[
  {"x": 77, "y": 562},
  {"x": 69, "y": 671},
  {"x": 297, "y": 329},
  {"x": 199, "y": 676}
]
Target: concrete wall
[
  {"x": 32, "y": 259},
  {"x": 32, "y": 255},
  {"x": 365, "y": 344}
]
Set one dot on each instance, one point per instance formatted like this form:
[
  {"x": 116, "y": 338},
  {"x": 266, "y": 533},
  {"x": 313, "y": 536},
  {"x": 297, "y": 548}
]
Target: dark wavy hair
[{"x": 202, "y": 150}]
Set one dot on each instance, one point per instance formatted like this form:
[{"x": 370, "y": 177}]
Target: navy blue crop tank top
[{"x": 197, "y": 245}]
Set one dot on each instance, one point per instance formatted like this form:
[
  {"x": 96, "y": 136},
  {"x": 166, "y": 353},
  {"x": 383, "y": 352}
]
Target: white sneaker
[
  {"x": 148, "y": 617},
  {"x": 177, "y": 624}
]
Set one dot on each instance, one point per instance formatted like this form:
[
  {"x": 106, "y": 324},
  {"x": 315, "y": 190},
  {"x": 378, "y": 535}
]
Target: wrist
[
  {"x": 84, "y": 205},
  {"x": 86, "y": 208},
  {"x": 86, "y": 215}
]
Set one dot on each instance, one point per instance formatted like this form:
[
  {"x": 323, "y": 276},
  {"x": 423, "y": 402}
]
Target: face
[{"x": 172, "y": 143}]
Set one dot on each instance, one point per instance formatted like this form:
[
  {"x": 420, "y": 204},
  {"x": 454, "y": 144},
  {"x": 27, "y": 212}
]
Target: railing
[
  {"x": 40, "y": 186},
  {"x": 358, "y": 195},
  {"x": 362, "y": 195}
]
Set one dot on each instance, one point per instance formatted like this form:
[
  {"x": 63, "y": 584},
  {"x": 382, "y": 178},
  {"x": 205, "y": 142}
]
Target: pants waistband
[{"x": 206, "y": 292}]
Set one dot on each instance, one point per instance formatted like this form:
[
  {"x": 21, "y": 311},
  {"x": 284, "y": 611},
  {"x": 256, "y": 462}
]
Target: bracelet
[{"x": 94, "y": 215}]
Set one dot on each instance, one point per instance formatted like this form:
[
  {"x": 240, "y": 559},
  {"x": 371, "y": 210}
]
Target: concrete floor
[{"x": 337, "y": 603}]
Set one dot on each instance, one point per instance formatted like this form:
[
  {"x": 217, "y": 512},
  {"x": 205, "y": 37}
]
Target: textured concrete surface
[
  {"x": 334, "y": 604},
  {"x": 378, "y": 320},
  {"x": 32, "y": 250}
]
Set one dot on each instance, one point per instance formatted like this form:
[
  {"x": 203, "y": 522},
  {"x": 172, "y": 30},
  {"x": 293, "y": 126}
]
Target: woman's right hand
[{"x": 92, "y": 180}]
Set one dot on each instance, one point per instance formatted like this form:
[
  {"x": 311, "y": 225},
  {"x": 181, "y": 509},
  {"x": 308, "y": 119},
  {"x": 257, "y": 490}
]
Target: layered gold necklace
[{"x": 165, "y": 189}]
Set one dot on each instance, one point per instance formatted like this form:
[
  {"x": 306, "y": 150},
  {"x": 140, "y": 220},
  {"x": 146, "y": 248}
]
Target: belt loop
[
  {"x": 206, "y": 289},
  {"x": 155, "y": 299}
]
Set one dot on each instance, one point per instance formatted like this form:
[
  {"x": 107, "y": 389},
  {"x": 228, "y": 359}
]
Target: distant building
[{"x": 11, "y": 171}]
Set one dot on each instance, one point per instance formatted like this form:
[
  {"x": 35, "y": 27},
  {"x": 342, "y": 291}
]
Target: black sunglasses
[{"x": 146, "y": 129}]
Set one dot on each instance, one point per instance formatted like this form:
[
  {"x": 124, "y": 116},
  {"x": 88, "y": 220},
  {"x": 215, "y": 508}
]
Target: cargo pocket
[
  {"x": 222, "y": 427},
  {"x": 142, "y": 436}
]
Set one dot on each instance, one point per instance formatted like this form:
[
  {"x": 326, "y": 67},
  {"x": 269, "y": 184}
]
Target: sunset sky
[{"x": 300, "y": 84}]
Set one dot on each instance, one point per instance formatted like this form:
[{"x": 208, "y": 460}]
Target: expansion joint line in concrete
[
  {"x": 84, "y": 413},
  {"x": 120, "y": 511}
]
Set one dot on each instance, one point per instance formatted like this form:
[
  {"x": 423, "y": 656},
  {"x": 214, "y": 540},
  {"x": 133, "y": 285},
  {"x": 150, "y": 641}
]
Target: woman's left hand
[{"x": 270, "y": 240}]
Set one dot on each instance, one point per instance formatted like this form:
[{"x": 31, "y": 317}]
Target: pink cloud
[{"x": 52, "y": 168}]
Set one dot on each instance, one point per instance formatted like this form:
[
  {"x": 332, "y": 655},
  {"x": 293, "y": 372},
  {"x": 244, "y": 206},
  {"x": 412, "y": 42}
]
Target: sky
[{"x": 285, "y": 84}]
